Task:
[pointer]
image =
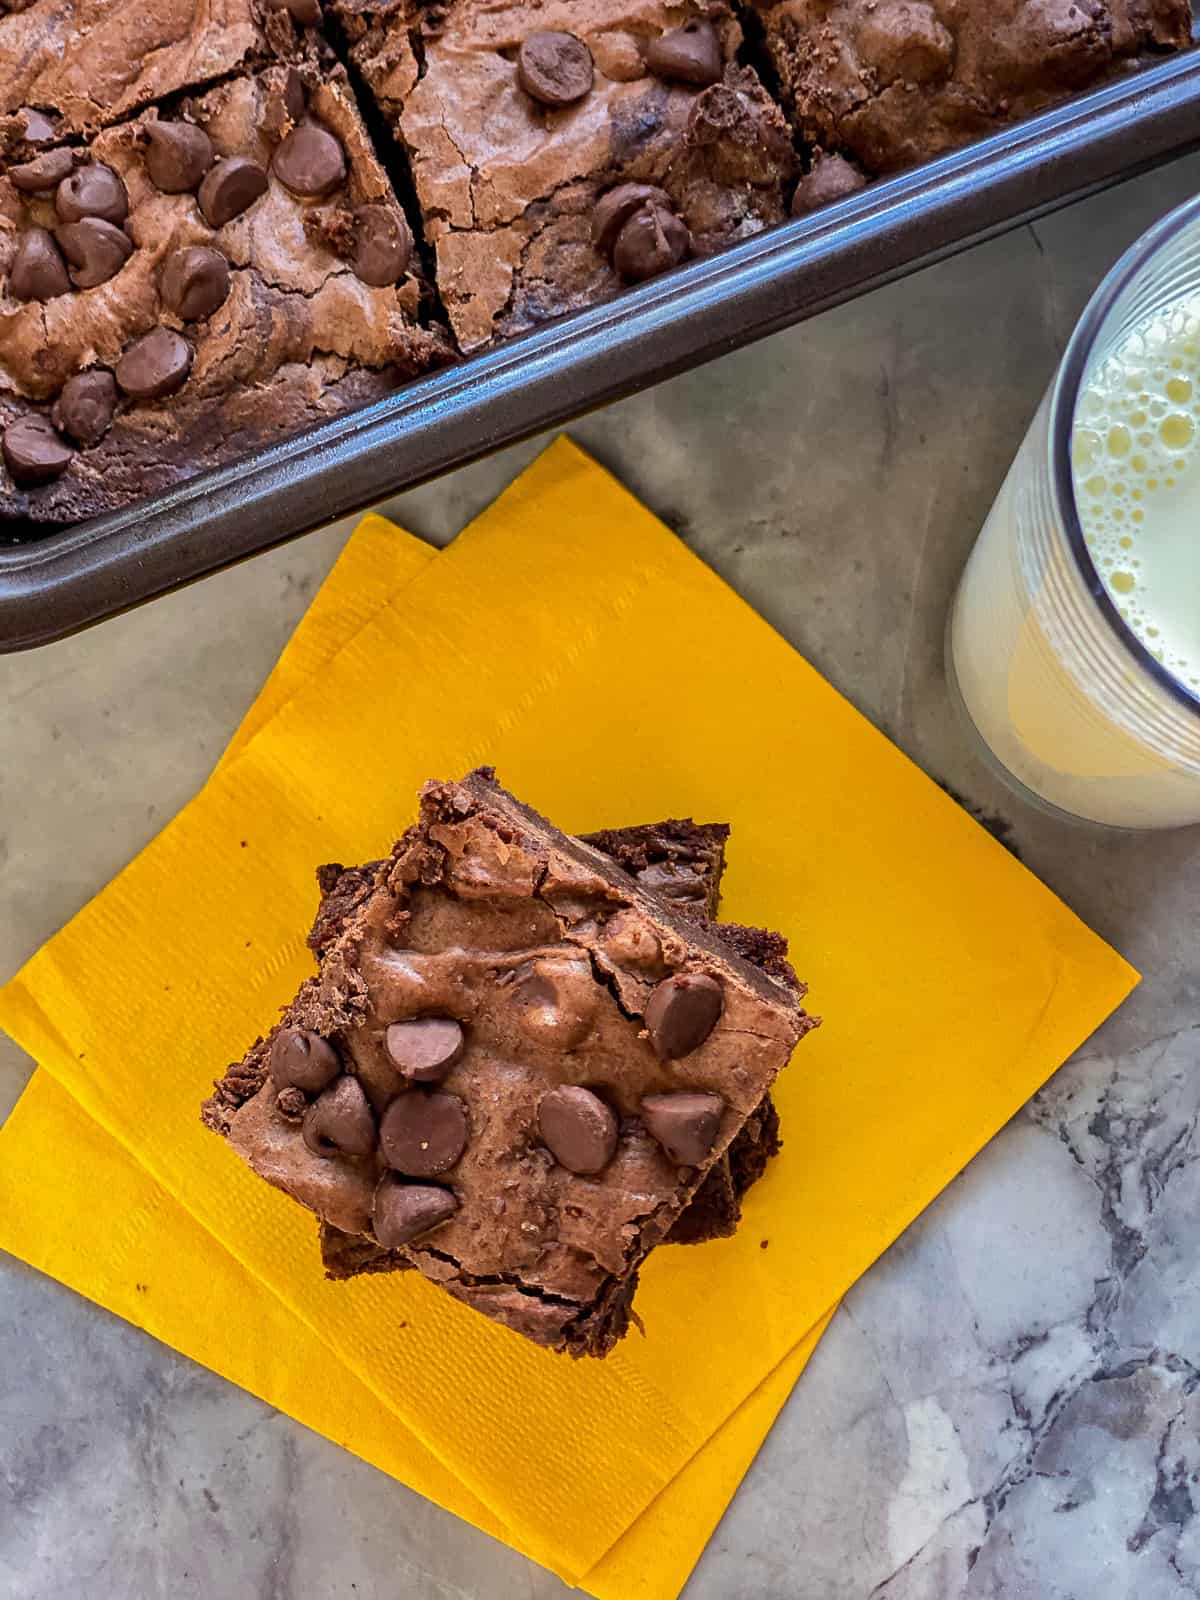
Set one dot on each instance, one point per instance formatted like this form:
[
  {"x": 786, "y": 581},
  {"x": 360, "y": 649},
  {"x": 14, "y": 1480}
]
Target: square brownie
[
  {"x": 685, "y": 861},
  {"x": 894, "y": 82},
  {"x": 516, "y": 1067},
  {"x": 191, "y": 286},
  {"x": 83, "y": 64},
  {"x": 564, "y": 149}
]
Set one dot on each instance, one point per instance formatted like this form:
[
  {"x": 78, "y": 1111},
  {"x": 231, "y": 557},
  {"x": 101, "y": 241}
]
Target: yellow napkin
[
  {"x": 573, "y": 640},
  {"x": 115, "y": 1236}
]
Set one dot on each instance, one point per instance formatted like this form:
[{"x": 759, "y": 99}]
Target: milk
[
  {"x": 1059, "y": 699},
  {"x": 1135, "y": 452}
]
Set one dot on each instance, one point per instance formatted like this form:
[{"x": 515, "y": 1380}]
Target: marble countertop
[{"x": 1008, "y": 1405}]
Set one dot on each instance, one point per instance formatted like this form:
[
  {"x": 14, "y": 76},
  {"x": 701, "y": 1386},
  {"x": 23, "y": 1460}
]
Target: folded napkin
[
  {"x": 571, "y": 639},
  {"x": 114, "y": 1235}
]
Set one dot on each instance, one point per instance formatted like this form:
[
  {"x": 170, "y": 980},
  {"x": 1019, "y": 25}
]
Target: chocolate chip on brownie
[
  {"x": 404, "y": 1211},
  {"x": 229, "y": 188},
  {"x": 686, "y": 1125},
  {"x": 43, "y": 172},
  {"x": 309, "y": 162},
  {"x": 578, "y": 1128},
  {"x": 690, "y": 54},
  {"x": 340, "y": 1121},
  {"x": 424, "y": 1049},
  {"x": 92, "y": 191},
  {"x": 85, "y": 408},
  {"x": 157, "y": 364},
  {"x": 301, "y": 1059},
  {"x": 37, "y": 271},
  {"x": 96, "y": 249},
  {"x": 681, "y": 1013},
  {"x": 195, "y": 281},
  {"x": 178, "y": 154},
  {"x": 555, "y": 68},
  {"x": 614, "y": 209},
  {"x": 652, "y": 241},
  {"x": 34, "y": 452},
  {"x": 383, "y": 245},
  {"x": 424, "y": 1134},
  {"x": 829, "y": 177}
]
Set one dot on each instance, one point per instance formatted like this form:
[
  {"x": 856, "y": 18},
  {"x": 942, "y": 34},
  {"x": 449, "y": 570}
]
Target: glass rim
[{"x": 1065, "y": 397}]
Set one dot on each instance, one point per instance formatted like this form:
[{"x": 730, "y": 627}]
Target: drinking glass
[{"x": 1066, "y": 702}]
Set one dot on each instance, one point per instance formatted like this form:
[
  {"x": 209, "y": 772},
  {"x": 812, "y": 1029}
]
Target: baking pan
[{"x": 70, "y": 579}]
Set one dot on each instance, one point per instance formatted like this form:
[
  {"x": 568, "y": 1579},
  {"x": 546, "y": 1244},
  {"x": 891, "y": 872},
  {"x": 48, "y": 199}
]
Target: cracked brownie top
[
  {"x": 516, "y": 1066},
  {"x": 88, "y": 63},
  {"x": 562, "y": 150},
  {"x": 893, "y": 82},
  {"x": 193, "y": 283}
]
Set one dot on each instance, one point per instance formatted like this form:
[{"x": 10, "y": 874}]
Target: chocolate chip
[
  {"x": 681, "y": 1013},
  {"x": 177, "y": 156},
  {"x": 306, "y": 12},
  {"x": 423, "y": 1134},
  {"x": 293, "y": 94},
  {"x": 614, "y": 209},
  {"x": 301, "y": 1059},
  {"x": 829, "y": 178},
  {"x": 691, "y": 54},
  {"x": 92, "y": 191},
  {"x": 38, "y": 127},
  {"x": 686, "y": 1125},
  {"x": 97, "y": 250},
  {"x": 424, "y": 1050},
  {"x": 555, "y": 1001},
  {"x": 43, "y": 172},
  {"x": 651, "y": 241},
  {"x": 86, "y": 405},
  {"x": 38, "y": 271},
  {"x": 228, "y": 188},
  {"x": 309, "y": 162},
  {"x": 578, "y": 1128},
  {"x": 404, "y": 1211},
  {"x": 382, "y": 245},
  {"x": 33, "y": 452},
  {"x": 291, "y": 1104},
  {"x": 155, "y": 365},
  {"x": 340, "y": 1120},
  {"x": 555, "y": 68},
  {"x": 195, "y": 281}
]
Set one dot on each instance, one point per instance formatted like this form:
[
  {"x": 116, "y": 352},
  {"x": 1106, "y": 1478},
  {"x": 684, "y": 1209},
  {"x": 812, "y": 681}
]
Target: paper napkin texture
[{"x": 572, "y": 640}]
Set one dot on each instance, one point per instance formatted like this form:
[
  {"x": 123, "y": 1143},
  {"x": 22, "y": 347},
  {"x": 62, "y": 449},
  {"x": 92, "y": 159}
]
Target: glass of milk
[{"x": 1074, "y": 640}]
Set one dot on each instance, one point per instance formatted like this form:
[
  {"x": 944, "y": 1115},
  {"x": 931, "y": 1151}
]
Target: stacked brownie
[
  {"x": 547, "y": 154},
  {"x": 525, "y": 1061}
]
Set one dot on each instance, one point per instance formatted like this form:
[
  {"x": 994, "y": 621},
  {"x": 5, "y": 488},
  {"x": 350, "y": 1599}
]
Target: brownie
[
  {"x": 893, "y": 82},
  {"x": 198, "y": 284},
  {"x": 684, "y": 860},
  {"x": 516, "y": 1067},
  {"x": 528, "y": 126},
  {"x": 89, "y": 63},
  {"x": 679, "y": 858}
]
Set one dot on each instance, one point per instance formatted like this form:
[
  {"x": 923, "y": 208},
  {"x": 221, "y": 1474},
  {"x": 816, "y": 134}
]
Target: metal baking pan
[{"x": 70, "y": 579}]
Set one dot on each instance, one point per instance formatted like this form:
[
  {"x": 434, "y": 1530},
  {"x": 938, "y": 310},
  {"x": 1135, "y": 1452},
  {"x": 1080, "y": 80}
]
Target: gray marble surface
[{"x": 1008, "y": 1405}]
